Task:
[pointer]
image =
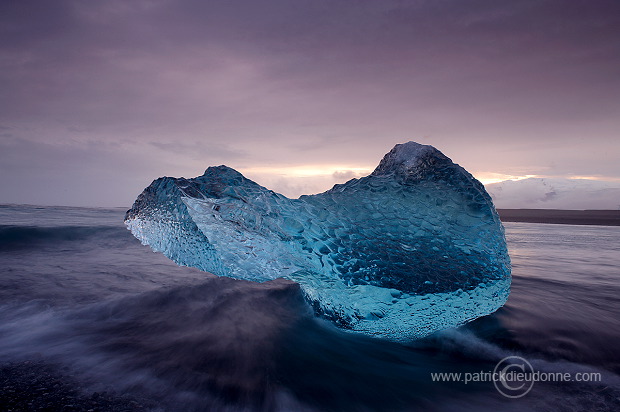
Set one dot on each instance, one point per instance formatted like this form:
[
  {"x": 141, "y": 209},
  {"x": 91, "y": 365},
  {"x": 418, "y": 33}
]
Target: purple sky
[{"x": 99, "y": 98}]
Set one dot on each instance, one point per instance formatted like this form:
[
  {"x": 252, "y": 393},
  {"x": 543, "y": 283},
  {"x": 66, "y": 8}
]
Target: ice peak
[
  {"x": 406, "y": 157},
  {"x": 222, "y": 169}
]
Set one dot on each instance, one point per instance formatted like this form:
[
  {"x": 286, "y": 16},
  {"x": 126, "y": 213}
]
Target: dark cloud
[{"x": 529, "y": 86}]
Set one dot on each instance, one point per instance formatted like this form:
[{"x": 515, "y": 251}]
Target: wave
[
  {"x": 195, "y": 347},
  {"x": 24, "y": 237},
  {"x": 234, "y": 345}
]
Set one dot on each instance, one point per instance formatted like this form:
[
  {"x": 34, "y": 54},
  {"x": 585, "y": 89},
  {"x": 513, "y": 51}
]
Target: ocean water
[{"x": 80, "y": 294}]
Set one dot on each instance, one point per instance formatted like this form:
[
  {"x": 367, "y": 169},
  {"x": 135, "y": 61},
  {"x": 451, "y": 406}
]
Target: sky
[{"x": 97, "y": 99}]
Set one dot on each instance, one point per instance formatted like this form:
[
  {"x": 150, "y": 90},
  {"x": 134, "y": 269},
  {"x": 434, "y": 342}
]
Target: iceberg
[{"x": 412, "y": 248}]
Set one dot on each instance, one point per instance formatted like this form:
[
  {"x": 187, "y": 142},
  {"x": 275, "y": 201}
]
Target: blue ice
[{"x": 412, "y": 248}]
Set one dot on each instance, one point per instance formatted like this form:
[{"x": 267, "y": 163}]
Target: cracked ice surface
[{"x": 414, "y": 247}]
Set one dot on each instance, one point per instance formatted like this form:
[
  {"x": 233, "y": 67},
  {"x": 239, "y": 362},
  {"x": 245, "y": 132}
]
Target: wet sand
[{"x": 40, "y": 386}]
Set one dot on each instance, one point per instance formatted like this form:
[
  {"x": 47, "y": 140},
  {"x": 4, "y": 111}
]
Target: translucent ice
[{"x": 414, "y": 247}]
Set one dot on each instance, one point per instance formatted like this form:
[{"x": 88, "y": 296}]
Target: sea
[{"x": 88, "y": 313}]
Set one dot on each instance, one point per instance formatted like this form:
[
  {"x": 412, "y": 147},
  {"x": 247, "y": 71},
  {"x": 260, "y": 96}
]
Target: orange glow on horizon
[
  {"x": 491, "y": 177},
  {"x": 308, "y": 170},
  {"x": 342, "y": 173}
]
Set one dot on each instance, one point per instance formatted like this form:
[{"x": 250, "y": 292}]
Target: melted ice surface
[{"x": 414, "y": 247}]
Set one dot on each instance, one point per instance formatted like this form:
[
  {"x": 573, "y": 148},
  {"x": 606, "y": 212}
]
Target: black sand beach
[
  {"x": 564, "y": 217},
  {"x": 36, "y": 385}
]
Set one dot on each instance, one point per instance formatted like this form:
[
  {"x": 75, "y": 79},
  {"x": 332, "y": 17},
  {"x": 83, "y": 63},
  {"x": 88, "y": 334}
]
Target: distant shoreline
[
  {"x": 553, "y": 216},
  {"x": 563, "y": 217}
]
